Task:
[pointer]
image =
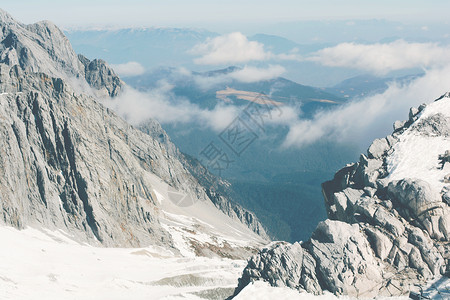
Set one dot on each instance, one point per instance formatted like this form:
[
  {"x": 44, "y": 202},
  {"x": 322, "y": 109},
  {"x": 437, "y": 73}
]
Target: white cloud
[
  {"x": 372, "y": 117},
  {"x": 383, "y": 58},
  {"x": 359, "y": 121},
  {"x": 253, "y": 74},
  {"x": 160, "y": 104},
  {"x": 379, "y": 58},
  {"x": 247, "y": 74},
  {"x": 229, "y": 49},
  {"x": 131, "y": 68}
]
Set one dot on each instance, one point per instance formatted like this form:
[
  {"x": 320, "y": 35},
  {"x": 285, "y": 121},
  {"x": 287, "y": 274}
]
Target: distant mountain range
[
  {"x": 172, "y": 47},
  {"x": 150, "y": 47},
  {"x": 205, "y": 95},
  {"x": 367, "y": 85}
]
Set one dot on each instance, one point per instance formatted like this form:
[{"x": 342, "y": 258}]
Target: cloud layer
[
  {"x": 229, "y": 49},
  {"x": 383, "y": 58},
  {"x": 253, "y": 74},
  {"x": 131, "y": 68},
  {"x": 359, "y": 121},
  {"x": 160, "y": 104},
  {"x": 362, "y": 121},
  {"x": 247, "y": 74},
  {"x": 379, "y": 58}
]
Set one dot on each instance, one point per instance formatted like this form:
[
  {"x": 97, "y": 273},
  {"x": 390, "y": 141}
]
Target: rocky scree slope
[
  {"x": 388, "y": 225},
  {"x": 66, "y": 161}
]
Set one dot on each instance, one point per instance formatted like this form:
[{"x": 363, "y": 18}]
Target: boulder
[
  {"x": 345, "y": 261},
  {"x": 414, "y": 194},
  {"x": 398, "y": 125},
  {"x": 378, "y": 148},
  {"x": 283, "y": 264}
]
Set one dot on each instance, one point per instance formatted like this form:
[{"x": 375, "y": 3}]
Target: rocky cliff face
[
  {"x": 43, "y": 48},
  {"x": 215, "y": 189},
  {"x": 388, "y": 220},
  {"x": 69, "y": 163}
]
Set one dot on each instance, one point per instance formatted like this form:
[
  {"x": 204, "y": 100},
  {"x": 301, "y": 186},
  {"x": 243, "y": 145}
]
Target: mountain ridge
[
  {"x": 69, "y": 163},
  {"x": 388, "y": 228}
]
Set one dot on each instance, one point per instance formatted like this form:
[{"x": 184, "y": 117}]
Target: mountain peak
[
  {"x": 446, "y": 95},
  {"x": 5, "y": 17},
  {"x": 394, "y": 202},
  {"x": 43, "y": 48},
  {"x": 69, "y": 163}
]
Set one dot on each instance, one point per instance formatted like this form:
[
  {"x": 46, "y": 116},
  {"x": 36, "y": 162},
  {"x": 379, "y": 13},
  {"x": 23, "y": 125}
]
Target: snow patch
[
  {"x": 47, "y": 264},
  {"x": 158, "y": 196},
  {"x": 260, "y": 290},
  {"x": 417, "y": 156}
]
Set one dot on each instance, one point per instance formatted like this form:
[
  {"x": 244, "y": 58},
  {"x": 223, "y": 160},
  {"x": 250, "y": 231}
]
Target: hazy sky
[{"x": 200, "y": 13}]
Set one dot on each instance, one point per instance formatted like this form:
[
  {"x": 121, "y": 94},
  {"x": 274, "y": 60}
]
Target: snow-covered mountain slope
[
  {"x": 260, "y": 290},
  {"x": 388, "y": 226},
  {"x": 416, "y": 155},
  {"x": 43, "y": 264}
]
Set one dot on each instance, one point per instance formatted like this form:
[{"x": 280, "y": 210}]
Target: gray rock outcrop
[
  {"x": 382, "y": 237},
  {"x": 100, "y": 76},
  {"x": 43, "y": 48}
]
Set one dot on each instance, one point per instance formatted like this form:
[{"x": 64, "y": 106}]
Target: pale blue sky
[{"x": 200, "y": 13}]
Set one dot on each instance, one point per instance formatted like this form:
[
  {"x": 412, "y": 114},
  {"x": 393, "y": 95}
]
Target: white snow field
[
  {"x": 416, "y": 155},
  {"x": 38, "y": 264},
  {"x": 263, "y": 291},
  {"x": 49, "y": 264}
]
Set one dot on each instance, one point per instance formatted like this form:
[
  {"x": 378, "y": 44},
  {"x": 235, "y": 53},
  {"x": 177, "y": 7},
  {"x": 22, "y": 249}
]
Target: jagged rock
[
  {"x": 283, "y": 264},
  {"x": 413, "y": 113},
  {"x": 391, "y": 140},
  {"x": 69, "y": 163},
  {"x": 378, "y": 148},
  {"x": 422, "y": 107},
  {"x": 380, "y": 242},
  {"x": 388, "y": 220},
  {"x": 391, "y": 234},
  {"x": 398, "y": 125},
  {"x": 369, "y": 191},
  {"x": 364, "y": 209},
  {"x": 63, "y": 166},
  {"x": 100, "y": 76},
  {"x": 338, "y": 257},
  {"x": 344, "y": 200},
  {"x": 43, "y": 48},
  {"x": 345, "y": 261},
  {"x": 445, "y": 194},
  {"x": 370, "y": 170},
  {"x": 429, "y": 253},
  {"x": 444, "y": 225},
  {"x": 447, "y": 178},
  {"x": 435, "y": 125}
]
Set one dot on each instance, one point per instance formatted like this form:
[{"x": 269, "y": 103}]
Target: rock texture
[
  {"x": 66, "y": 161},
  {"x": 43, "y": 48},
  {"x": 100, "y": 76},
  {"x": 215, "y": 189},
  {"x": 383, "y": 234}
]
